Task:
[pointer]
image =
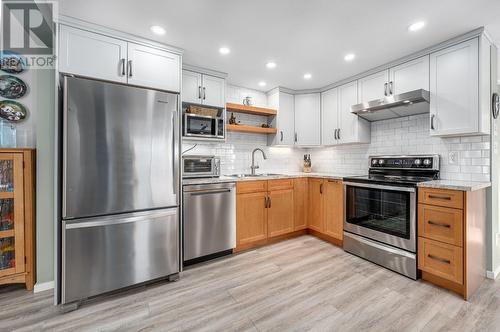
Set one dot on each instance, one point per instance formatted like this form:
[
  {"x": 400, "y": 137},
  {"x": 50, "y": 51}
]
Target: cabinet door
[
  {"x": 300, "y": 199},
  {"x": 334, "y": 207},
  {"x": 191, "y": 87},
  {"x": 372, "y": 87},
  {"x": 329, "y": 117},
  {"x": 92, "y": 55},
  {"x": 409, "y": 76},
  {"x": 153, "y": 68},
  {"x": 315, "y": 215},
  {"x": 307, "y": 119},
  {"x": 280, "y": 212},
  {"x": 348, "y": 123},
  {"x": 251, "y": 218},
  {"x": 11, "y": 214},
  {"x": 213, "y": 93},
  {"x": 454, "y": 85},
  {"x": 286, "y": 123}
]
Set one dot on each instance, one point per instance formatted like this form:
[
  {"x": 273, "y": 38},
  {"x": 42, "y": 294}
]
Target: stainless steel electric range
[{"x": 380, "y": 222}]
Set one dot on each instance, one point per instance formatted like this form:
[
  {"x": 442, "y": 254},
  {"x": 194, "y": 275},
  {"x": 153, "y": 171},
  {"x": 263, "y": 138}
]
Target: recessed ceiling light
[
  {"x": 307, "y": 76},
  {"x": 158, "y": 30},
  {"x": 271, "y": 65},
  {"x": 262, "y": 83},
  {"x": 349, "y": 57},
  {"x": 224, "y": 50},
  {"x": 416, "y": 26}
]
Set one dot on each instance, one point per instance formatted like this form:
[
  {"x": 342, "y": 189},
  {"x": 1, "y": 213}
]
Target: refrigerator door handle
[{"x": 174, "y": 156}]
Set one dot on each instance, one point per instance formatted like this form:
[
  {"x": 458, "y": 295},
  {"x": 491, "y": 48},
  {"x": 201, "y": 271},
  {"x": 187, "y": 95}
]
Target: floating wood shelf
[
  {"x": 250, "y": 129},
  {"x": 250, "y": 109}
]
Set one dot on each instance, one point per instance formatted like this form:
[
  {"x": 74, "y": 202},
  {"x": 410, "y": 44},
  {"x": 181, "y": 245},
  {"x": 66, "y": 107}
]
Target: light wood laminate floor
[{"x": 297, "y": 285}]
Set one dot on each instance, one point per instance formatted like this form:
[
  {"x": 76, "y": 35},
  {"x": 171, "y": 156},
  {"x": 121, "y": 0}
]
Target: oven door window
[
  {"x": 200, "y": 126},
  {"x": 386, "y": 211}
]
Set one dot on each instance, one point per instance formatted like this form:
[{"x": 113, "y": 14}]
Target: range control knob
[
  {"x": 418, "y": 162},
  {"x": 427, "y": 162},
  {"x": 381, "y": 162},
  {"x": 374, "y": 161}
]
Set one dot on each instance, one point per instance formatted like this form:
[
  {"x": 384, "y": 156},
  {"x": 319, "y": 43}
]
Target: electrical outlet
[{"x": 453, "y": 157}]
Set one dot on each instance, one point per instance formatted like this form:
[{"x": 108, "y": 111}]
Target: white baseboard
[
  {"x": 40, "y": 287},
  {"x": 493, "y": 274}
]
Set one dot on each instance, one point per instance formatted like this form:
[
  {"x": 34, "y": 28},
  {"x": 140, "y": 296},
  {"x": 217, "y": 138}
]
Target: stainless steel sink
[{"x": 242, "y": 176}]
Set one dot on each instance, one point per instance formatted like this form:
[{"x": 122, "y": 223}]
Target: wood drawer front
[
  {"x": 440, "y": 259},
  {"x": 281, "y": 184},
  {"x": 440, "y": 224},
  {"x": 440, "y": 197},
  {"x": 245, "y": 187}
]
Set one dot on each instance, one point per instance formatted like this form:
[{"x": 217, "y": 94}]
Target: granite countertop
[
  {"x": 438, "y": 184},
  {"x": 455, "y": 185},
  {"x": 284, "y": 175}
]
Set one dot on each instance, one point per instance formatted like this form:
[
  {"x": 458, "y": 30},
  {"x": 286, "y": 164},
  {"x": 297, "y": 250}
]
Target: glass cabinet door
[{"x": 11, "y": 214}]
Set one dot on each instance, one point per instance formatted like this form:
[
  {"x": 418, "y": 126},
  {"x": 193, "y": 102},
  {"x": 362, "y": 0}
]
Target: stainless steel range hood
[{"x": 404, "y": 104}]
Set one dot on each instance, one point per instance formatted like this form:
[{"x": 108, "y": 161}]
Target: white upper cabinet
[
  {"x": 153, "y": 68},
  {"x": 213, "y": 91},
  {"x": 409, "y": 76},
  {"x": 307, "y": 119},
  {"x": 352, "y": 129},
  {"x": 329, "y": 117},
  {"x": 284, "y": 119},
  {"x": 203, "y": 89},
  {"x": 92, "y": 55},
  {"x": 454, "y": 88},
  {"x": 373, "y": 87},
  {"x": 98, "y": 56},
  {"x": 191, "y": 87}
]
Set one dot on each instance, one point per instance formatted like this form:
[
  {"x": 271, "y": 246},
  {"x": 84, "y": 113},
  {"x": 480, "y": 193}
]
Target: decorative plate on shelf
[
  {"x": 12, "y": 87},
  {"x": 12, "y": 111},
  {"x": 11, "y": 62}
]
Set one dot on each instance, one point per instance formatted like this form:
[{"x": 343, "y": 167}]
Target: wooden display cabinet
[{"x": 17, "y": 208}]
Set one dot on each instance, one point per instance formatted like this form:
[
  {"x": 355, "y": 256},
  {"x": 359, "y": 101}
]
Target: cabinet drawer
[
  {"x": 280, "y": 184},
  {"x": 440, "y": 197},
  {"x": 440, "y": 259},
  {"x": 441, "y": 224},
  {"x": 251, "y": 187}
]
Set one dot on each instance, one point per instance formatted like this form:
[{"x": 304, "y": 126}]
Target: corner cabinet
[
  {"x": 17, "y": 208},
  {"x": 96, "y": 55},
  {"x": 307, "y": 119},
  {"x": 203, "y": 89},
  {"x": 457, "y": 75}
]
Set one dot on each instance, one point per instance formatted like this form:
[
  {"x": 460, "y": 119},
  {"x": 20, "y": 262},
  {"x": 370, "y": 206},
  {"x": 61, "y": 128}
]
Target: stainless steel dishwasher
[{"x": 209, "y": 221}]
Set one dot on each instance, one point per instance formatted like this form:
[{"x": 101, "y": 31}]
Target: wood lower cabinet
[
  {"x": 315, "y": 207},
  {"x": 251, "y": 216},
  {"x": 334, "y": 209},
  {"x": 280, "y": 212},
  {"x": 452, "y": 238},
  {"x": 17, "y": 207},
  {"x": 300, "y": 200}
]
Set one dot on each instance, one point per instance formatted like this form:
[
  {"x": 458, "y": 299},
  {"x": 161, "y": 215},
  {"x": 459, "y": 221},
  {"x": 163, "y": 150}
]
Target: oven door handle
[{"x": 378, "y": 186}]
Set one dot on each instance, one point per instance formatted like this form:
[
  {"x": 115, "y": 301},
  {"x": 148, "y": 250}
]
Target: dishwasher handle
[{"x": 209, "y": 192}]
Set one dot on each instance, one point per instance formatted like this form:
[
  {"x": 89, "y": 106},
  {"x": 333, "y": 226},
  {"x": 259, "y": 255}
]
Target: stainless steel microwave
[{"x": 203, "y": 126}]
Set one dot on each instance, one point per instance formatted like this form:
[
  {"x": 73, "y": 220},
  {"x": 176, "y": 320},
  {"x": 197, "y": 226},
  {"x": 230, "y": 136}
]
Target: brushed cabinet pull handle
[
  {"x": 296, "y": 137},
  {"x": 439, "y": 259},
  {"x": 335, "y": 134},
  {"x": 123, "y": 66},
  {"x": 321, "y": 188},
  {"x": 338, "y": 133},
  {"x": 281, "y": 133},
  {"x": 269, "y": 198},
  {"x": 432, "y": 121},
  {"x": 430, "y": 222},
  {"x": 129, "y": 68},
  {"x": 265, "y": 202},
  {"x": 199, "y": 92},
  {"x": 445, "y": 198},
  {"x": 204, "y": 93},
  {"x": 385, "y": 89},
  {"x": 391, "y": 83}
]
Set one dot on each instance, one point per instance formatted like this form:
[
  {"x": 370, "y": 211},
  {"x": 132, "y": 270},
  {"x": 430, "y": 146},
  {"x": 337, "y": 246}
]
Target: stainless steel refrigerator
[{"x": 120, "y": 187}]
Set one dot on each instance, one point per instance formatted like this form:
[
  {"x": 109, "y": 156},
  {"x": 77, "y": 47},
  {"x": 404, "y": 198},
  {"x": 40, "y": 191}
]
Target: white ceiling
[{"x": 299, "y": 35}]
